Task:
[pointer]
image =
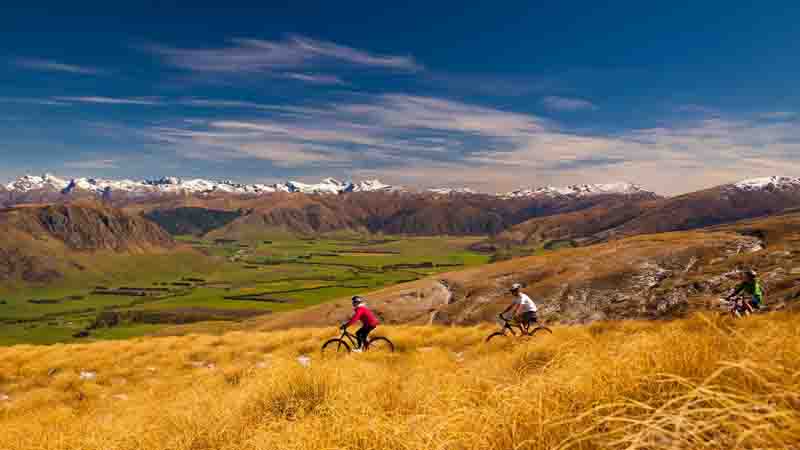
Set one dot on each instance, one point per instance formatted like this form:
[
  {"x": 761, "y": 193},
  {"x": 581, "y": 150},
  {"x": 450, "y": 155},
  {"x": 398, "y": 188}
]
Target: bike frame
[
  {"x": 353, "y": 339},
  {"x": 509, "y": 325}
]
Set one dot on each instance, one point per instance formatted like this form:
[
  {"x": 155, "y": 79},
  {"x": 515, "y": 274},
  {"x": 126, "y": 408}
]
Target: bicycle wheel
[
  {"x": 335, "y": 346},
  {"x": 380, "y": 344},
  {"x": 497, "y": 336},
  {"x": 540, "y": 330}
]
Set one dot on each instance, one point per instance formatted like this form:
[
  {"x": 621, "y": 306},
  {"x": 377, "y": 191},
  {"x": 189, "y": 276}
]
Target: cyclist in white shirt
[{"x": 524, "y": 308}]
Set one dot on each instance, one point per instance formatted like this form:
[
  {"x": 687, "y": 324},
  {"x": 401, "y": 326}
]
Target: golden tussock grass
[{"x": 704, "y": 382}]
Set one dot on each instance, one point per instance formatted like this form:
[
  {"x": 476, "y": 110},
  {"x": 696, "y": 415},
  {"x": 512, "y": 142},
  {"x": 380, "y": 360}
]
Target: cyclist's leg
[
  {"x": 362, "y": 334},
  {"x": 526, "y": 319}
]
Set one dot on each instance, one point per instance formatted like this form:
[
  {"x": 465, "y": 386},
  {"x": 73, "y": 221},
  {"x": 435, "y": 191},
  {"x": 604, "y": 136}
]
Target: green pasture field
[{"x": 226, "y": 277}]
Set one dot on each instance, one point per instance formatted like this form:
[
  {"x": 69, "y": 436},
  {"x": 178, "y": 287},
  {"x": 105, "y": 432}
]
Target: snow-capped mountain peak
[
  {"x": 177, "y": 185},
  {"x": 450, "y": 191},
  {"x": 768, "y": 183},
  {"x": 577, "y": 190},
  {"x": 32, "y": 182}
]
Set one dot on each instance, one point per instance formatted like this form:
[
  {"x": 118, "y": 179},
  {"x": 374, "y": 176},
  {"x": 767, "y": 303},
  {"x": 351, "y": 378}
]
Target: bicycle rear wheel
[
  {"x": 380, "y": 344},
  {"x": 335, "y": 346}
]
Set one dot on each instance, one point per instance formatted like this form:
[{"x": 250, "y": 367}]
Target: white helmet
[
  {"x": 516, "y": 287},
  {"x": 356, "y": 300}
]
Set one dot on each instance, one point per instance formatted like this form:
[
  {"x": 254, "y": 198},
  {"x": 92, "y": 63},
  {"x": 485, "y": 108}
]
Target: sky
[{"x": 675, "y": 96}]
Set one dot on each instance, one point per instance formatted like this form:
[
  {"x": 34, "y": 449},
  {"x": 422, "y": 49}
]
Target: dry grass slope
[{"x": 704, "y": 382}]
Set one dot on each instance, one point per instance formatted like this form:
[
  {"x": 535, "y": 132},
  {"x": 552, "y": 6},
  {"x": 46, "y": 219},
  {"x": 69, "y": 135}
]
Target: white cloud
[
  {"x": 33, "y": 101},
  {"x": 779, "y": 115},
  {"x": 418, "y": 140},
  {"x": 316, "y": 79},
  {"x": 151, "y": 101},
  {"x": 92, "y": 164},
  {"x": 567, "y": 104},
  {"x": 277, "y": 57},
  {"x": 55, "y": 66}
]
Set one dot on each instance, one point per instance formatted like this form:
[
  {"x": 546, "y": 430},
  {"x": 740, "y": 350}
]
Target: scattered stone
[
  {"x": 4, "y": 398},
  {"x": 198, "y": 364},
  {"x": 304, "y": 360},
  {"x": 262, "y": 365},
  {"x": 211, "y": 366},
  {"x": 53, "y": 371},
  {"x": 425, "y": 349},
  {"x": 87, "y": 375},
  {"x": 122, "y": 397},
  {"x": 152, "y": 369}
]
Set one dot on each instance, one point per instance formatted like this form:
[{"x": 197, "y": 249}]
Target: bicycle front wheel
[
  {"x": 335, "y": 346},
  {"x": 380, "y": 344}
]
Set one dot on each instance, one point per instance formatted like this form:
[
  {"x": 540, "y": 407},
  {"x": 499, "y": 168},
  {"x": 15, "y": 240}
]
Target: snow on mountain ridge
[
  {"x": 767, "y": 183},
  {"x": 29, "y": 183},
  {"x": 450, "y": 191},
  {"x": 578, "y": 190}
]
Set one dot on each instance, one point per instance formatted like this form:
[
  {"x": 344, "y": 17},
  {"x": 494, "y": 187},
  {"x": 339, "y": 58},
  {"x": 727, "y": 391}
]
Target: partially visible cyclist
[
  {"x": 751, "y": 286},
  {"x": 524, "y": 309},
  {"x": 368, "y": 322}
]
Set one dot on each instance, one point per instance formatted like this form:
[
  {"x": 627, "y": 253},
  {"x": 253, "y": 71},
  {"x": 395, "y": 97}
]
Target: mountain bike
[
  {"x": 738, "y": 309},
  {"x": 347, "y": 341},
  {"x": 522, "y": 329}
]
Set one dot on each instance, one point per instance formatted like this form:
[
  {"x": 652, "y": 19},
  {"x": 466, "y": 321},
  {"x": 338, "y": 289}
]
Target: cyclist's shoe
[{"x": 357, "y": 350}]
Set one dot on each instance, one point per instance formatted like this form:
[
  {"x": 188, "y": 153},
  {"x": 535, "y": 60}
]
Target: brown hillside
[
  {"x": 36, "y": 242},
  {"x": 580, "y": 226},
  {"x": 394, "y": 213},
  {"x": 719, "y": 205}
]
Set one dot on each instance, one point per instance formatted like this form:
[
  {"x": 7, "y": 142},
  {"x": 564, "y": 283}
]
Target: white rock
[
  {"x": 304, "y": 360},
  {"x": 87, "y": 375},
  {"x": 4, "y": 398},
  {"x": 122, "y": 397}
]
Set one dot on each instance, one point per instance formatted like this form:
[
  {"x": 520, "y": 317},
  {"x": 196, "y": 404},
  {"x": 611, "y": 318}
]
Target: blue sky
[{"x": 491, "y": 95}]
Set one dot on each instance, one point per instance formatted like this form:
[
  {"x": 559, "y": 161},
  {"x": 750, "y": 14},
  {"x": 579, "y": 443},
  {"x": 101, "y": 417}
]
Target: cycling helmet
[
  {"x": 357, "y": 300},
  {"x": 516, "y": 287}
]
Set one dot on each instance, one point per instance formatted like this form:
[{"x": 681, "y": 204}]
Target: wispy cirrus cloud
[
  {"x": 779, "y": 115},
  {"x": 55, "y": 66},
  {"x": 33, "y": 101},
  {"x": 93, "y": 164},
  {"x": 293, "y": 57},
  {"x": 568, "y": 104},
  {"x": 316, "y": 79},
  {"x": 148, "y": 101}
]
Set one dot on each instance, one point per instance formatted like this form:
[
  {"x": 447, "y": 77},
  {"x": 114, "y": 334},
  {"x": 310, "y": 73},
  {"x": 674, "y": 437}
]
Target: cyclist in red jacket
[{"x": 368, "y": 321}]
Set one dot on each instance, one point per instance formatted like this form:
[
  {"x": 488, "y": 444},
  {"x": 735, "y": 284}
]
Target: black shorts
[{"x": 528, "y": 317}]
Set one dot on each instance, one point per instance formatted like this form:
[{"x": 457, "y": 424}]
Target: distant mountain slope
[
  {"x": 404, "y": 213},
  {"x": 630, "y": 216},
  {"x": 581, "y": 227},
  {"x": 719, "y": 205},
  {"x": 37, "y": 242},
  {"x": 192, "y": 220}
]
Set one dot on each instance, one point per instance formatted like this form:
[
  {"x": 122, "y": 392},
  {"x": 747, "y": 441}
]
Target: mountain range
[
  {"x": 175, "y": 185},
  {"x": 533, "y": 217}
]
